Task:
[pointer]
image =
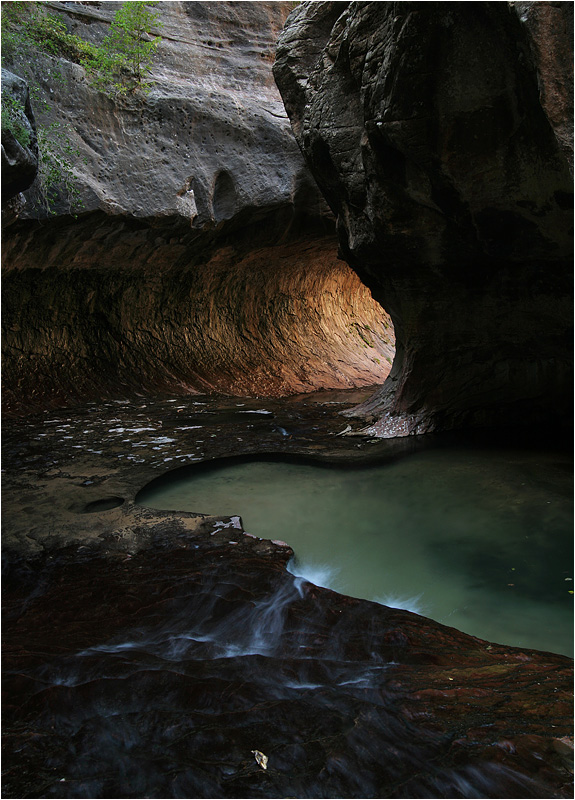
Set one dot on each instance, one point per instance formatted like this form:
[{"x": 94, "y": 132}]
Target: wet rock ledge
[{"x": 164, "y": 654}]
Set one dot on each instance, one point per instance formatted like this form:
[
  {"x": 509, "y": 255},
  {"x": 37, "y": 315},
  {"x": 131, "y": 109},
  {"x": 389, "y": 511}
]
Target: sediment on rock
[{"x": 437, "y": 134}]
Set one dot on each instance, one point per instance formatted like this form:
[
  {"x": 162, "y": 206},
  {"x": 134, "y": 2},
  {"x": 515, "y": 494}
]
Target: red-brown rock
[{"x": 161, "y": 674}]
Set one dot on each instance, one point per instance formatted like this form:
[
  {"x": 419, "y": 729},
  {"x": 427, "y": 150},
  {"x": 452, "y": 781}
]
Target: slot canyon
[{"x": 333, "y": 234}]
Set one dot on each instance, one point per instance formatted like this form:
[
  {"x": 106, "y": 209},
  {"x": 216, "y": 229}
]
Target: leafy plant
[
  {"x": 13, "y": 119},
  {"x": 11, "y": 18},
  {"x": 27, "y": 26},
  {"x": 124, "y": 60},
  {"x": 56, "y": 179}
]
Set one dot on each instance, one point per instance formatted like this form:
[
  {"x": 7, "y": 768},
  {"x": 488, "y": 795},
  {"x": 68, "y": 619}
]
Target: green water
[{"x": 477, "y": 539}]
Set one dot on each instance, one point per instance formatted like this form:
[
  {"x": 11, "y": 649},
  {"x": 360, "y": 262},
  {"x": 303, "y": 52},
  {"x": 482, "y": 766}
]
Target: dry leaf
[{"x": 261, "y": 759}]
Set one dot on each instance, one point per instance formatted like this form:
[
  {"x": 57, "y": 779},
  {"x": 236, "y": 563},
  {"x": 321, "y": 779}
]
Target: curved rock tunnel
[
  {"x": 102, "y": 306},
  {"x": 139, "y": 294},
  {"x": 202, "y": 257},
  {"x": 206, "y": 283}
]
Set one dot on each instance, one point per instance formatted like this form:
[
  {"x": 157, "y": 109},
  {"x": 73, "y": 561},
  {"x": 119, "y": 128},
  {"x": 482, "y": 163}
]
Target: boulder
[{"x": 438, "y": 134}]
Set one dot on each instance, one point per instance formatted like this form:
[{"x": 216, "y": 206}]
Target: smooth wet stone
[
  {"x": 159, "y": 675},
  {"x": 149, "y": 653}
]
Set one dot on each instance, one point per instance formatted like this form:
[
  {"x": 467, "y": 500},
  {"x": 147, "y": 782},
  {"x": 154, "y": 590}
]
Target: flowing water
[{"x": 476, "y": 538}]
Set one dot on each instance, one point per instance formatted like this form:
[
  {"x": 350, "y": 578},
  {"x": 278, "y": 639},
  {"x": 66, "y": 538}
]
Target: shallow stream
[{"x": 476, "y": 538}]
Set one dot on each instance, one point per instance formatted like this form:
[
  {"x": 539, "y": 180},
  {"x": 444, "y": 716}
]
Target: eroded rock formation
[
  {"x": 438, "y": 134},
  {"x": 130, "y": 308},
  {"x": 203, "y": 256}
]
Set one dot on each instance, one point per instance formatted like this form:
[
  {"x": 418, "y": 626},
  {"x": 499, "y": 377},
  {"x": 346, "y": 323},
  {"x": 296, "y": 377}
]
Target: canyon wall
[
  {"x": 440, "y": 135},
  {"x": 199, "y": 254}
]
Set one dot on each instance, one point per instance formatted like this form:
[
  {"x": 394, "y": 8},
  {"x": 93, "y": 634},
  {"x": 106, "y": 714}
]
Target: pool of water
[{"x": 478, "y": 539}]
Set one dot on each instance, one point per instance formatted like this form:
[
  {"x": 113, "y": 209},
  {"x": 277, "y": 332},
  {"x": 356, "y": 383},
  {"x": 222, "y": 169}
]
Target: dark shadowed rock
[
  {"x": 549, "y": 29},
  {"x": 438, "y": 134},
  {"x": 19, "y": 154},
  {"x": 165, "y": 673}
]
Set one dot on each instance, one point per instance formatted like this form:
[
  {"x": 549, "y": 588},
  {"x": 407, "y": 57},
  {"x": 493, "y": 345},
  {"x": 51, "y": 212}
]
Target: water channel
[{"x": 474, "y": 537}]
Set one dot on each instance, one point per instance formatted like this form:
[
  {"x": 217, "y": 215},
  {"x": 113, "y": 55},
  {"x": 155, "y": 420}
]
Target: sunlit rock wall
[
  {"x": 203, "y": 255},
  {"x": 134, "y": 310},
  {"x": 439, "y": 133}
]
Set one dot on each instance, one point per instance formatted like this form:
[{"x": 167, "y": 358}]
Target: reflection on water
[{"x": 477, "y": 539}]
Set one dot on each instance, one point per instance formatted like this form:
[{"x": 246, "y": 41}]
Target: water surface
[{"x": 479, "y": 539}]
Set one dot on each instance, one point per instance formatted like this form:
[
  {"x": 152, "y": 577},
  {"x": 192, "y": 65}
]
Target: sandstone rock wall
[
  {"x": 204, "y": 256},
  {"x": 209, "y": 139},
  {"x": 134, "y": 310},
  {"x": 438, "y": 134}
]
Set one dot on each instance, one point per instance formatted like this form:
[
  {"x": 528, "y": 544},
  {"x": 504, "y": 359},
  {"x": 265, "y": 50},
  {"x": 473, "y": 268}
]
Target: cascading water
[
  {"x": 185, "y": 661},
  {"x": 474, "y": 538},
  {"x": 199, "y": 667}
]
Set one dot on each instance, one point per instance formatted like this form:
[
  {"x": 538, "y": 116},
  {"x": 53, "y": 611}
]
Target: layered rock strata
[
  {"x": 203, "y": 256},
  {"x": 101, "y": 308},
  {"x": 438, "y": 134}
]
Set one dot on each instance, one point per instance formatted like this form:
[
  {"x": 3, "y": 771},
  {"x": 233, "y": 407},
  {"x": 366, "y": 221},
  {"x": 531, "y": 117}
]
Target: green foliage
[
  {"x": 14, "y": 119},
  {"x": 56, "y": 177},
  {"x": 120, "y": 65},
  {"x": 11, "y": 19},
  {"x": 28, "y": 26},
  {"x": 124, "y": 60}
]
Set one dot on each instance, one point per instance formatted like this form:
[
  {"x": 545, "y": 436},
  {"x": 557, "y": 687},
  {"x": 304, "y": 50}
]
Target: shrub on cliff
[
  {"x": 27, "y": 27},
  {"x": 123, "y": 62},
  {"x": 14, "y": 119}
]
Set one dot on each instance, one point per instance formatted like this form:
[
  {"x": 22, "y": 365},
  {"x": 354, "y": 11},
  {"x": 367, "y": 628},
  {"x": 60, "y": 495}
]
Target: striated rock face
[
  {"x": 182, "y": 270},
  {"x": 438, "y": 134},
  {"x": 100, "y": 307}
]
